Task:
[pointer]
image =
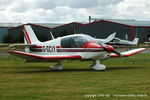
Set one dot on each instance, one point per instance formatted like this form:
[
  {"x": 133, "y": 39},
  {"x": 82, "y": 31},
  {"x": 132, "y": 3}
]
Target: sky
[{"x": 65, "y": 11}]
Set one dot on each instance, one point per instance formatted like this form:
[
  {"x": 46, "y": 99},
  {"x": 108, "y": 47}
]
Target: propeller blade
[
  {"x": 106, "y": 48},
  {"x": 118, "y": 53}
]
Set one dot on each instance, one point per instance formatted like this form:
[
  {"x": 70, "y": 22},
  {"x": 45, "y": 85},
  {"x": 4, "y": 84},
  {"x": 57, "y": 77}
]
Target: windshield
[{"x": 73, "y": 42}]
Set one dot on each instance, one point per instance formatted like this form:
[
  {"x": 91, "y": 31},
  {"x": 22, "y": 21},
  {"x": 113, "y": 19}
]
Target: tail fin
[
  {"x": 135, "y": 41},
  {"x": 111, "y": 37},
  {"x": 25, "y": 40},
  {"x": 108, "y": 39},
  {"x": 30, "y": 37}
]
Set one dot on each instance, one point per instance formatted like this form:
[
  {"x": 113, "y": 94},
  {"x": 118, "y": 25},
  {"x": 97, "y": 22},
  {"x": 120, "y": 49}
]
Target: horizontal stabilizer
[
  {"x": 128, "y": 53},
  {"x": 21, "y": 45}
]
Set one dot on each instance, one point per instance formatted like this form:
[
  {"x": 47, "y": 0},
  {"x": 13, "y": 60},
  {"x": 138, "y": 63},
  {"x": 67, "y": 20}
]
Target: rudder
[{"x": 29, "y": 35}]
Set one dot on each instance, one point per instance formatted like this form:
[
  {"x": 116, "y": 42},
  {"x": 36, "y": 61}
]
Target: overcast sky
[{"x": 52, "y": 11}]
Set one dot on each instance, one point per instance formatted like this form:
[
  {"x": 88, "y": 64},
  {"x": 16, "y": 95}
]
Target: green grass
[{"x": 36, "y": 81}]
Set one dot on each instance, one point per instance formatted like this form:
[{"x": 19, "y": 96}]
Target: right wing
[{"x": 128, "y": 53}]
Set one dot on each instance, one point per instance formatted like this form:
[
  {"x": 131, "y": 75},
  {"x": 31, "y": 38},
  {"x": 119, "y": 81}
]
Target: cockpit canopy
[{"x": 74, "y": 41}]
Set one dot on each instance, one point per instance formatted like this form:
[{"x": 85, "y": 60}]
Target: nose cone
[
  {"x": 109, "y": 48},
  {"x": 92, "y": 45}
]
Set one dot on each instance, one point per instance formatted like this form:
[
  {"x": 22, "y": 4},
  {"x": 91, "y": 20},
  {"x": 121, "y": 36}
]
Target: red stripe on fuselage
[
  {"x": 37, "y": 47},
  {"x": 58, "y": 47},
  {"x": 80, "y": 50},
  {"x": 35, "y": 50},
  {"x": 69, "y": 50}
]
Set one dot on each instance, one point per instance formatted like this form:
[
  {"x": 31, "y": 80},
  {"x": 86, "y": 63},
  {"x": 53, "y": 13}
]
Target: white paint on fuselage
[{"x": 57, "y": 42}]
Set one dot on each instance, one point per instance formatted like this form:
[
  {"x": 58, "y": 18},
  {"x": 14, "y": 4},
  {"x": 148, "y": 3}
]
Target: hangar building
[
  {"x": 125, "y": 29},
  {"x": 4, "y": 27},
  {"x": 42, "y": 30}
]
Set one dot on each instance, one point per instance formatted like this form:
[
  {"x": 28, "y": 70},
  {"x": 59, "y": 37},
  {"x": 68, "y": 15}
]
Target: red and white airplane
[{"x": 71, "y": 47}]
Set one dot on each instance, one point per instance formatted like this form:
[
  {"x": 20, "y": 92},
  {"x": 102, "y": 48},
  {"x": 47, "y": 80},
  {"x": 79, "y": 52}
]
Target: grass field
[{"x": 36, "y": 81}]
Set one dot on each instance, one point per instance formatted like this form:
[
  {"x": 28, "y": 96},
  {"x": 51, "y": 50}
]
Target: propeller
[
  {"x": 107, "y": 48},
  {"x": 118, "y": 53},
  {"x": 110, "y": 49}
]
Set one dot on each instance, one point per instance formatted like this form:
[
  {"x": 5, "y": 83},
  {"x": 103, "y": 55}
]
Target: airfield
[{"x": 124, "y": 79}]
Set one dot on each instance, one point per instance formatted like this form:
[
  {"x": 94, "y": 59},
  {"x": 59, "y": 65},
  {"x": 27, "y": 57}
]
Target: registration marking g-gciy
[{"x": 48, "y": 49}]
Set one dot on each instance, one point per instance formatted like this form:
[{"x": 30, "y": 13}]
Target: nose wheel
[{"x": 97, "y": 66}]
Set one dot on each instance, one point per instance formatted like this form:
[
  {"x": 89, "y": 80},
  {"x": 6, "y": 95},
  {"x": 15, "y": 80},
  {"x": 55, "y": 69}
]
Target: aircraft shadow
[
  {"x": 122, "y": 68},
  {"x": 53, "y": 71},
  {"x": 48, "y": 70}
]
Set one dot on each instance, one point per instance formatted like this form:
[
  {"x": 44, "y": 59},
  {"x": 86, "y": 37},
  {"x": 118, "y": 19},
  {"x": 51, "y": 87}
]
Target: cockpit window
[
  {"x": 66, "y": 42},
  {"x": 79, "y": 41},
  {"x": 73, "y": 42}
]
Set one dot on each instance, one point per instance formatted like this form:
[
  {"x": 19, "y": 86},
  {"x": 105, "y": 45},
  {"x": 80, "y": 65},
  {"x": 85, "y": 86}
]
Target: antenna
[{"x": 51, "y": 35}]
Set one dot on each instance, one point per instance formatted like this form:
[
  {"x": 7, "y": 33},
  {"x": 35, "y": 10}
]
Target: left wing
[
  {"x": 37, "y": 57},
  {"x": 128, "y": 53}
]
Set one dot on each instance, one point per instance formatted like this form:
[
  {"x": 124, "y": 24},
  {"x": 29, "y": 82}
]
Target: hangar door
[{"x": 148, "y": 38}]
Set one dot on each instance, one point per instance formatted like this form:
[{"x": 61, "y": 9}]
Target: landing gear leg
[
  {"x": 58, "y": 66},
  {"x": 97, "y": 66}
]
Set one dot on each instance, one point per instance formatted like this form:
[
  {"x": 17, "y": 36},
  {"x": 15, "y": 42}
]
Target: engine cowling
[{"x": 106, "y": 56}]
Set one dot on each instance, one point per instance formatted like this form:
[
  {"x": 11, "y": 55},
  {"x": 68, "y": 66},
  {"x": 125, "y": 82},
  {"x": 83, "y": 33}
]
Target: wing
[
  {"x": 128, "y": 53},
  {"x": 36, "y": 57}
]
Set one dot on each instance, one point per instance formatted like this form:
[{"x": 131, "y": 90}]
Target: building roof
[
  {"x": 132, "y": 22},
  {"x": 50, "y": 25},
  {"x": 128, "y": 22},
  {"x": 10, "y": 24},
  {"x": 55, "y": 25}
]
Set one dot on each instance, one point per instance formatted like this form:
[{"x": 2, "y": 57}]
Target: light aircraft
[
  {"x": 71, "y": 47},
  {"x": 117, "y": 41}
]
